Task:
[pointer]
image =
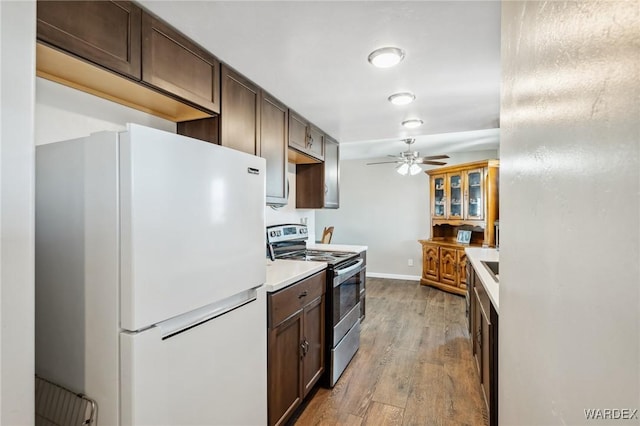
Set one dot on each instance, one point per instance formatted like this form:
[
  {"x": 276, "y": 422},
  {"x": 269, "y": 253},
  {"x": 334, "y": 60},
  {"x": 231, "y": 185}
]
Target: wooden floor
[{"x": 414, "y": 366}]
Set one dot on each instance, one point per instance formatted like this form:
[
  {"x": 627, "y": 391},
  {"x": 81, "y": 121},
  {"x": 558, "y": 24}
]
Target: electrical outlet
[{"x": 410, "y": 262}]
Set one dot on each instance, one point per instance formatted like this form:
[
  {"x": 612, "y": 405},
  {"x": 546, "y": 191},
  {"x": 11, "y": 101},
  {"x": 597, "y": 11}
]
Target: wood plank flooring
[{"x": 414, "y": 365}]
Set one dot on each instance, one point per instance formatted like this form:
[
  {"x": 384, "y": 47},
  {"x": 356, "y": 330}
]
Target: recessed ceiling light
[
  {"x": 386, "y": 57},
  {"x": 413, "y": 123},
  {"x": 403, "y": 98}
]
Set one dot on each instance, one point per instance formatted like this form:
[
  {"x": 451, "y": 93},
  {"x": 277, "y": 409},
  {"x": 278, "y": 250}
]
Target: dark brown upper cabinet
[
  {"x": 274, "y": 134},
  {"x": 173, "y": 63},
  {"x": 317, "y": 185},
  {"x": 239, "y": 113},
  {"x": 104, "y": 32},
  {"x": 305, "y": 138},
  {"x": 297, "y": 131},
  {"x": 316, "y": 142}
]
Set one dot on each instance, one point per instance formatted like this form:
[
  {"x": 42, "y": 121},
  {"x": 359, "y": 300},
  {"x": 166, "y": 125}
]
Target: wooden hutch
[{"x": 463, "y": 197}]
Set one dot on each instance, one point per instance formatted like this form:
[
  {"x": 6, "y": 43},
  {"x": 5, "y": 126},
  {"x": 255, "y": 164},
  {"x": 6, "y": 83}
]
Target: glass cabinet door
[
  {"x": 455, "y": 195},
  {"x": 439, "y": 200},
  {"x": 473, "y": 194}
]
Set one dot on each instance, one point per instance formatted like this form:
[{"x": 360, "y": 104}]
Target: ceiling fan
[{"x": 409, "y": 160}]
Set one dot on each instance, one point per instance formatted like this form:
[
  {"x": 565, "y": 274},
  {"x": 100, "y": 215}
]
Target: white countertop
[
  {"x": 337, "y": 247},
  {"x": 476, "y": 255},
  {"x": 283, "y": 273}
]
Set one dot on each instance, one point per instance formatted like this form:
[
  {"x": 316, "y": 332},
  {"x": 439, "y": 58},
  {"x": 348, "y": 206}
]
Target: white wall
[
  {"x": 387, "y": 212},
  {"x": 17, "y": 68},
  {"x": 570, "y": 211},
  {"x": 65, "y": 113}
]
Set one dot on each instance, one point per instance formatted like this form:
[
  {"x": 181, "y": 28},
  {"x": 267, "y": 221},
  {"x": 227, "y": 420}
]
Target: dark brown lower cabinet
[
  {"x": 296, "y": 320},
  {"x": 483, "y": 330}
]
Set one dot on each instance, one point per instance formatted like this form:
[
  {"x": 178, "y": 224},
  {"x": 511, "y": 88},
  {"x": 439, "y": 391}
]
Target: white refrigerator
[{"x": 150, "y": 272}]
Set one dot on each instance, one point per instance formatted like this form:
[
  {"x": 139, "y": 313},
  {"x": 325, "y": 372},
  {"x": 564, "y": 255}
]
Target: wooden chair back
[{"x": 327, "y": 233}]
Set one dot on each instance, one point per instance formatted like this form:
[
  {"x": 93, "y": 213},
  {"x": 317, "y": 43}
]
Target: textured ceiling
[{"x": 313, "y": 57}]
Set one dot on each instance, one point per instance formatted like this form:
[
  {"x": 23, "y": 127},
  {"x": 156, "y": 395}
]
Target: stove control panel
[{"x": 289, "y": 232}]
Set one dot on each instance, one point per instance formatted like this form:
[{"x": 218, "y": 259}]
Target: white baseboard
[{"x": 393, "y": 276}]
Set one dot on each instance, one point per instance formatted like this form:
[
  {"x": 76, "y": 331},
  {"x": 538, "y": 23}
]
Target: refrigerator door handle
[{"x": 182, "y": 323}]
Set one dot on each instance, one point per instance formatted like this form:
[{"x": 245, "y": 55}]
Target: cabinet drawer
[{"x": 290, "y": 300}]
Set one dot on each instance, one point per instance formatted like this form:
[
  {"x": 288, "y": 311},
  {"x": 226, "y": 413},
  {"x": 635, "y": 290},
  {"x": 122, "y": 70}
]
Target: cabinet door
[
  {"x": 316, "y": 142},
  {"x": 474, "y": 195},
  {"x": 285, "y": 380},
  {"x": 455, "y": 195},
  {"x": 313, "y": 344},
  {"x": 274, "y": 134},
  {"x": 438, "y": 200},
  {"x": 239, "y": 113},
  {"x": 331, "y": 173},
  {"x": 176, "y": 65},
  {"x": 448, "y": 266},
  {"x": 298, "y": 137},
  {"x": 106, "y": 33},
  {"x": 462, "y": 269},
  {"x": 430, "y": 262}
]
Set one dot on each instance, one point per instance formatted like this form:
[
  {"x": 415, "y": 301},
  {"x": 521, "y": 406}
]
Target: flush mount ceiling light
[
  {"x": 413, "y": 123},
  {"x": 403, "y": 98},
  {"x": 386, "y": 57}
]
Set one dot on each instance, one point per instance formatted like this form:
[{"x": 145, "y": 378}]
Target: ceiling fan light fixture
[
  {"x": 413, "y": 123},
  {"x": 386, "y": 57},
  {"x": 414, "y": 169},
  {"x": 403, "y": 169},
  {"x": 403, "y": 98}
]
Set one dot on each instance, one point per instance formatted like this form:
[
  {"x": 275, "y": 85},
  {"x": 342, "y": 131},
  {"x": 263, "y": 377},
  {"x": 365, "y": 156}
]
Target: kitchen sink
[{"x": 492, "y": 267}]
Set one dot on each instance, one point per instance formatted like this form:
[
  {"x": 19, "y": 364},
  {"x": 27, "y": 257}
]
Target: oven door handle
[{"x": 342, "y": 274}]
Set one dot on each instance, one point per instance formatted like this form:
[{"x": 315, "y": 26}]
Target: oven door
[{"x": 347, "y": 280}]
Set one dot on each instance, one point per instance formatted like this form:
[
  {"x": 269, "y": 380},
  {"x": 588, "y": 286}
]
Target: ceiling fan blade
[
  {"x": 433, "y": 163},
  {"x": 435, "y": 157},
  {"x": 384, "y": 162}
]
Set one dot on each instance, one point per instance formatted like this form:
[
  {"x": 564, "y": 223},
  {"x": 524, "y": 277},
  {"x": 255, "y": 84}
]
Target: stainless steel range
[{"x": 345, "y": 279}]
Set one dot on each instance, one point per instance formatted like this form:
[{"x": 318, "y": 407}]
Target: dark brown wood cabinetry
[
  {"x": 104, "y": 32},
  {"x": 483, "y": 330},
  {"x": 296, "y": 318},
  {"x": 173, "y": 63},
  {"x": 240, "y": 113},
  {"x": 297, "y": 131},
  {"x": 317, "y": 185},
  {"x": 274, "y": 134},
  {"x": 315, "y": 145},
  {"x": 120, "y": 52},
  {"x": 305, "y": 138},
  {"x": 117, "y": 51}
]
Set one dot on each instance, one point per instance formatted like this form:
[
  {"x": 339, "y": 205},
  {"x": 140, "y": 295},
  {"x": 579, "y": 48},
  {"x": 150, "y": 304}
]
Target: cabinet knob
[
  {"x": 304, "y": 347},
  {"x": 303, "y": 294}
]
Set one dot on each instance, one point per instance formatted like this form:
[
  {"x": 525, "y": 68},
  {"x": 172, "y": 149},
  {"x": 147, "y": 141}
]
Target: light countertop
[
  {"x": 283, "y": 273},
  {"x": 337, "y": 247},
  {"x": 477, "y": 255}
]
